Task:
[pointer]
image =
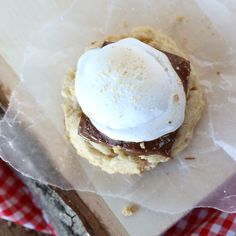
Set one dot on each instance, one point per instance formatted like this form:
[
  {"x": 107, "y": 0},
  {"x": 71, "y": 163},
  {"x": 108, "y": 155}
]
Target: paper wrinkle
[{"x": 32, "y": 131}]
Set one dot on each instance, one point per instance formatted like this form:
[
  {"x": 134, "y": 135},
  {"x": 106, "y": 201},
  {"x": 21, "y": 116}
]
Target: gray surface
[{"x": 62, "y": 217}]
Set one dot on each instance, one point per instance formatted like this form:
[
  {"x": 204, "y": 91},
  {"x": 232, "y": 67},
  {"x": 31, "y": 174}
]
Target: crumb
[
  {"x": 177, "y": 67},
  {"x": 189, "y": 158},
  {"x": 142, "y": 145},
  {"x": 193, "y": 89},
  {"x": 179, "y": 18},
  {"x": 208, "y": 26},
  {"x": 176, "y": 97},
  {"x": 218, "y": 72},
  {"x": 130, "y": 210},
  {"x": 111, "y": 156},
  {"x": 170, "y": 122}
]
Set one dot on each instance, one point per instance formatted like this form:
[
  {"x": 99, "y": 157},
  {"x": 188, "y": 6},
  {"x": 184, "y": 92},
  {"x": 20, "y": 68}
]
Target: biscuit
[{"x": 114, "y": 159}]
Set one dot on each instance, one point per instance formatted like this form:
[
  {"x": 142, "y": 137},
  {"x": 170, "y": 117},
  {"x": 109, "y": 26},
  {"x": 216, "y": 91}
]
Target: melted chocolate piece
[
  {"x": 181, "y": 67},
  {"x": 162, "y": 145}
]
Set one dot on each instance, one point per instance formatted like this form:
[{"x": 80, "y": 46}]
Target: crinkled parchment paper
[{"x": 32, "y": 131}]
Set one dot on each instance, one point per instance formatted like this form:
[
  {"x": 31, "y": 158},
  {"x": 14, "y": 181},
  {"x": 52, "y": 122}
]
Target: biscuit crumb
[
  {"x": 142, "y": 145},
  {"x": 130, "y": 210},
  {"x": 218, "y": 72},
  {"x": 176, "y": 97},
  {"x": 189, "y": 158},
  {"x": 179, "y": 18},
  {"x": 193, "y": 88}
]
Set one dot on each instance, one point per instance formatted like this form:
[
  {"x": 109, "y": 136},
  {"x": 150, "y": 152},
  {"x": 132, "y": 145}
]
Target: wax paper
[{"x": 32, "y": 136}]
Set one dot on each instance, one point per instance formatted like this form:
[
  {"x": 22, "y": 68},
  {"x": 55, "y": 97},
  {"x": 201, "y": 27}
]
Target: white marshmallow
[{"x": 130, "y": 91}]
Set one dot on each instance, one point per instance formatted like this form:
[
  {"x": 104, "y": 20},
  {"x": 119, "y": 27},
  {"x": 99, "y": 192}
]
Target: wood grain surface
[{"x": 91, "y": 223}]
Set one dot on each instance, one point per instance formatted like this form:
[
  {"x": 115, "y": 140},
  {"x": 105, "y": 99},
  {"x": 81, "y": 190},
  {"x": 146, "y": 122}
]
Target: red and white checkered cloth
[
  {"x": 16, "y": 205},
  {"x": 205, "y": 222}
]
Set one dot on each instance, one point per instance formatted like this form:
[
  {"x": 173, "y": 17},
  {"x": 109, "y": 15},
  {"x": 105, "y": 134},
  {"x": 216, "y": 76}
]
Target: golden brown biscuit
[{"x": 113, "y": 159}]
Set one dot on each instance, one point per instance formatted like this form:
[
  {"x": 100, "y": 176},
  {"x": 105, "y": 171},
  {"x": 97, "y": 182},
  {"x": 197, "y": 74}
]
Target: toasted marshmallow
[{"x": 130, "y": 91}]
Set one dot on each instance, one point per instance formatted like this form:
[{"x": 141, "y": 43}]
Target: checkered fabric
[
  {"x": 16, "y": 203},
  {"x": 205, "y": 222}
]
